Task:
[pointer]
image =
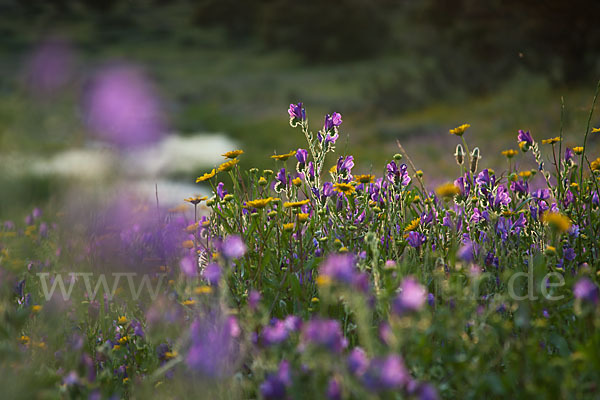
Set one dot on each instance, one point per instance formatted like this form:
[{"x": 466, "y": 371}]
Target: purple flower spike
[
  {"x": 416, "y": 239},
  {"x": 297, "y": 112},
  {"x": 386, "y": 373},
  {"x": 340, "y": 267},
  {"x": 411, "y": 298},
  {"x": 302, "y": 156},
  {"x": 212, "y": 274},
  {"x": 358, "y": 361},
  {"x": 332, "y": 121},
  {"x": 524, "y": 137},
  {"x": 233, "y": 247},
  {"x": 275, "y": 386},
  {"x": 326, "y": 333},
  {"x": 586, "y": 290}
]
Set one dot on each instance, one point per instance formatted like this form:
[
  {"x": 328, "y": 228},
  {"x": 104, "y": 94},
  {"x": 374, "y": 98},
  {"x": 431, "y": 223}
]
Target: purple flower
[
  {"x": 301, "y": 156},
  {"x": 212, "y": 274},
  {"x": 281, "y": 181},
  {"x": 188, "y": 266},
  {"x": 213, "y": 347},
  {"x": 297, "y": 112},
  {"x": 122, "y": 107},
  {"x": 468, "y": 250},
  {"x": 415, "y": 239},
  {"x": 339, "y": 267},
  {"x": 50, "y": 66},
  {"x": 520, "y": 187},
  {"x": 411, "y": 298},
  {"x": 137, "y": 328},
  {"x": 253, "y": 299},
  {"x": 344, "y": 167},
  {"x": 334, "y": 392},
  {"x": 569, "y": 154},
  {"x": 233, "y": 247},
  {"x": 332, "y": 121},
  {"x": 275, "y": 386},
  {"x": 386, "y": 374},
  {"x": 502, "y": 198},
  {"x": 358, "y": 361},
  {"x": 586, "y": 290},
  {"x": 275, "y": 333},
  {"x": 524, "y": 137},
  {"x": 326, "y": 333},
  {"x": 396, "y": 174},
  {"x": 329, "y": 140}
]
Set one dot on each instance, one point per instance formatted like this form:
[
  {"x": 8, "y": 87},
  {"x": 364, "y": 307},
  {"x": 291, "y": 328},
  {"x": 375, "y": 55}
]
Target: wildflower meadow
[{"x": 310, "y": 281}]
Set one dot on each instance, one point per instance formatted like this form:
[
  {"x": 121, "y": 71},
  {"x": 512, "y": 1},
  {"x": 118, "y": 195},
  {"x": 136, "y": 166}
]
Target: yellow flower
[
  {"x": 288, "y": 227},
  {"x": 595, "y": 130},
  {"x": 460, "y": 130},
  {"x": 206, "y": 176},
  {"x": 203, "y": 290},
  {"x": 262, "y": 181},
  {"x": 233, "y": 154},
  {"x": 578, "y": 150},
  {"x": 36, "y": 308},
  {"x": 188, "y": 302},
  {"x": 447, "y": 190},
  {"x": 345, "y": 188},
  {"x": 551, "y": 140},
  {"x": 170, "y": 354},
  {"x": 510, "y": 153},
  {"x": 364, "y": 178},
  {"x": 283, "y": 157},
  {"x": 412, "y": 225},
  {"x": 123, "y": 340},
  {"x": 188, "y": 244},
  {"x": 295, "y": 204},
  {"x": 125, "y": 380},
  {"x": 416, "y": 199},
  {"x": 333, "y": 169},
  {"x": 228, "y": 165},
  {"x": 259, "y": 203},
  {"x": 302, "y": 217},
  {"x": 297, "y": 181},
  {"x": 523, "y": 146},
  {"x": 116, "y": 347},
  {"x": 24, "y": 339},
  {"x": 122, "y": 320},
  {"x": 525, "y": 174},
  {"x": 557, "y": 221},
  {"x": 323, "y": 280},
  {"x": 195, "y": 200},
  {"x": 595, "y": 164}
]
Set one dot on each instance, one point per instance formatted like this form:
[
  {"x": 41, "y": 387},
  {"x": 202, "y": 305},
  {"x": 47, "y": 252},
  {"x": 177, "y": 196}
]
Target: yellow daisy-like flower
[
  {"x": 233, "y": 154},
  {"x": 302, "y": 217},
  {"x": 510, "y": 153},
  {"x": 295, "y": 204},
  {"x": 206, "y": 176},
  {"x": 228, "y": 165},
  {"x": 323, "y": 280},
  {"x": 36, "y": 308},
  {"x": 447, "y": 190},
  {"x": 297, "y": 181},
  {"x": 170, "y": 355},
  {"x": 24, "y": 339},
  {"x": 259, "y": 203},
  {"x": 525, "y": 174},
  {"x": 283, "y": 157},
  {"x": 333, "y": 169},
  {"x": 551, "y": 140},
  {"x": 188, "y": 302},
  {"x": 123, "y": 340},
  {"x": 412, "y": 225},
  {"x": 288, "y": 227},
  {"x": 460, "y": 130},
  {"x": 364, "y": 178},
  {"x": 195, "y": 200},
  {"x": 595, "y": 164},
  {"x": 595, "y": 130},
  {"x": 122, "y": 320},
  {"x": 557, "y": 221},
  {"x": 203, "y": 290},
  {"x": 578, "y": 150},
  {"x": 345, "y": 188}
]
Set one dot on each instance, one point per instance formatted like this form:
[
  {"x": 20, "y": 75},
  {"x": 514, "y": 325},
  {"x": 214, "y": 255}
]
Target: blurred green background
[{"x": 395, "y": 70}]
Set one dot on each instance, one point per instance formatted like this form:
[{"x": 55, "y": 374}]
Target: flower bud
[{"x": 459, "y": 154}]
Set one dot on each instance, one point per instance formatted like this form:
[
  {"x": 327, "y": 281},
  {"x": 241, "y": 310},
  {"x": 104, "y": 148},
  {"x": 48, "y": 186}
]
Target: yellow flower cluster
[
  {"x": 295, "y": 204},
  {"x": 345, "y": 188},
  {"x": 284, "y": 157},
  {"x": 233, "y": 154},
  {"x": 447, "y": 190},
  {"x": 364, "y": 178},
  {"x": 510, "y": 153},
  {"x": 260, "y": 203},
  {"x": 557, "y": 221},
  {"x": 412, "y": 225},
  {"x": 228, "y": 165},
  {"x": 551, "y": 140},
  {"x": 206, "y": 176},
  {"x": 460, "y": 130}
]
